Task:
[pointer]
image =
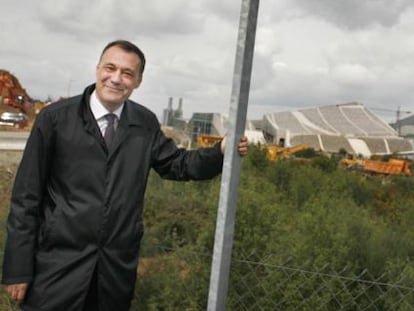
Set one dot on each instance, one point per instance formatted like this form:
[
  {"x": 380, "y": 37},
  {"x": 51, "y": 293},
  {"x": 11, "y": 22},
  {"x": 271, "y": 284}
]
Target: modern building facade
[{"x": 350, "y": 126}]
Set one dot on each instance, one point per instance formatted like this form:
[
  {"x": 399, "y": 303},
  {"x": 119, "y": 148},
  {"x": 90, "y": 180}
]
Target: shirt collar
[{"x": 99, "y": 110}]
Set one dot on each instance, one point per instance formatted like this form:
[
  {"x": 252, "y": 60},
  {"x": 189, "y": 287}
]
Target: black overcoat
[{"x": 77, "y": 206}]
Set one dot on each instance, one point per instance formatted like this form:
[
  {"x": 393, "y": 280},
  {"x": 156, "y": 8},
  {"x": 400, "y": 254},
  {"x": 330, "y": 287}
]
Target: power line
[{"x": 398, "y": 113}]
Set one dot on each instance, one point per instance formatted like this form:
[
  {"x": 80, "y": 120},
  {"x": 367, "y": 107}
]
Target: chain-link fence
[{"x": 177, "y": 279}]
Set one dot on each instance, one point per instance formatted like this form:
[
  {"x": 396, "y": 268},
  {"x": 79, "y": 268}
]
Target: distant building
[
  {"x": 207, "y": 123},
  {"x": 405, "y": 127},
  {"x": 174, "y": 117},
  {"x": 215, "y": 124},
  {"x": 350, "y": 126}
]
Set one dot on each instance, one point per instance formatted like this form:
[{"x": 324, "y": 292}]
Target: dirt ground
[{"x": 9, "y": 158}]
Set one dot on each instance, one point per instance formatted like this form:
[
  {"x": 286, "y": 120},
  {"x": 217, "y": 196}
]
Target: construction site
[
  {"x": 17, "y": 109},
  {"x": 364, "y": 140}
]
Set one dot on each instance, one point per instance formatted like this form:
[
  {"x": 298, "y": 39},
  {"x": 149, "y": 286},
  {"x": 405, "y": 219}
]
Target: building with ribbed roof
[{"x": 351, "y": 127}]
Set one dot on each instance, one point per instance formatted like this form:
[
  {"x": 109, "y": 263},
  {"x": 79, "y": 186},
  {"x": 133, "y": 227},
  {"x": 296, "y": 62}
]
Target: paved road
[{"x": 13, "y": 140}]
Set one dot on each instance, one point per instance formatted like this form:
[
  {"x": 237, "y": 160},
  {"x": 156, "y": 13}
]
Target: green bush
[{"x": 305, "y": 214}]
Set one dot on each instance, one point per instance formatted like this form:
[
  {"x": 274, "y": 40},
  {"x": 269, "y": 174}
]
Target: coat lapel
[
  {"x": 128, "y": 119},
  {"x": 90, "y": 124},
  {"x": 120, "y": 134}
]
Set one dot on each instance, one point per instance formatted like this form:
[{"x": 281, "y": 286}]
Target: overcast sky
[{"x": 308, "y": 52}]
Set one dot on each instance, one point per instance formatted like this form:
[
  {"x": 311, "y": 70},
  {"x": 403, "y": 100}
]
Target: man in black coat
[{"x": 75, "y": 221}]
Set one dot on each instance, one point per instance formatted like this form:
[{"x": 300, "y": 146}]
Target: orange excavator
[
  {"x": 393, "y": 166},
  {"x": 12, "y": 93}
]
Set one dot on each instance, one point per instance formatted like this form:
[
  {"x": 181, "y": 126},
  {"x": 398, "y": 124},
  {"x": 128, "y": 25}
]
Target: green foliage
[
  {"x": 306, "y": 153},
  {"x": 324, "y": 163},
  {"x": 6, "y": 180},
  {"x": 258, "y": 157},
  {"x": 306, "y": 215},
  {"x": 169, "y": 283},
  {"x": 307, "y": 211}
]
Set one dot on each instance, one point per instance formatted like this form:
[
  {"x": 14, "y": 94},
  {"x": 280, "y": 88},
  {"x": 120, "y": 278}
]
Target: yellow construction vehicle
[
  {"x": 39, "y": 105},
  {"x": 391, "y": 167},
  {"x": 274, "y": 152},
  {"x": 206, "y": 140},
  {"x": 277, "y": 152}
]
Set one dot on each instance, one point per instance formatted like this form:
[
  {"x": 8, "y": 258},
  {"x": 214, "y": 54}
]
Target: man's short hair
[{"x": 128, "y": 47}]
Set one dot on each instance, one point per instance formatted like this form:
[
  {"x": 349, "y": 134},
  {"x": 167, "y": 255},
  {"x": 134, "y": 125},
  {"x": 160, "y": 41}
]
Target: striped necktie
[{"x": 110, "y": 129}]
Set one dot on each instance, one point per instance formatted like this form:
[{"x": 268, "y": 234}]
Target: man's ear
[{"x": 138, "y": 82}]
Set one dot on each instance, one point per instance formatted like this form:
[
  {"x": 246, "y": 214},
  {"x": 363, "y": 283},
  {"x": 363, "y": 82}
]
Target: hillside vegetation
[{"x": 307, "y": 212}]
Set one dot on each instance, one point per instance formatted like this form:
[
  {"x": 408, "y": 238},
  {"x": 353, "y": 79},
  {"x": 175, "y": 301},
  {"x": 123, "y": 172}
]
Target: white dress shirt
[{"x": 99, "y": 111}]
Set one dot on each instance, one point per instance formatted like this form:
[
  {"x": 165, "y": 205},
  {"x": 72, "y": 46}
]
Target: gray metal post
[{"x": 231, "y": 167}]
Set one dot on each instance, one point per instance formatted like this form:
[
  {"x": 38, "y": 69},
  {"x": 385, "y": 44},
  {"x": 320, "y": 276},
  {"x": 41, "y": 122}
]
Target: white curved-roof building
[{"x": 330, "y": 128}]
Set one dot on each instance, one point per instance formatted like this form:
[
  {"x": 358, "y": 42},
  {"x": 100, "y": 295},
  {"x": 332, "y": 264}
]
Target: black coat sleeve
[
  {"x": 175, "y": 163},
  {"x": 25, "y": 211}
]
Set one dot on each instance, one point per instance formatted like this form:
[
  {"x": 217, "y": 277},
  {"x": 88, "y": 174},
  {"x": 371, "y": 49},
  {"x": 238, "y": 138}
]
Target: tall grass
[{"x": 7, "y": 173}]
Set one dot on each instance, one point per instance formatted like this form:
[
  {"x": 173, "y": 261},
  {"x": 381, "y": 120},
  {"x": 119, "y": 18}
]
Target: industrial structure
[
  {"x": 174, "y": 117},
  {"x": 350, "y": 127},
  {"x": 207, "y": 124},
  {"x": 405, "y": 126}
]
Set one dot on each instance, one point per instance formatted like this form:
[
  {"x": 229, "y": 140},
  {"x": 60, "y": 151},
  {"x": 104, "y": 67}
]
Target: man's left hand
[{"x": 241, "y": 147}]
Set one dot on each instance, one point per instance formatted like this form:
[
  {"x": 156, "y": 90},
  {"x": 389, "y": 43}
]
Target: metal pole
[{"x": 231, "y": 167}]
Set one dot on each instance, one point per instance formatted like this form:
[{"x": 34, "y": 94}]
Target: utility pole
[
  {"x": 231, "y": 167},
  {"x": 397, "y": 122}
]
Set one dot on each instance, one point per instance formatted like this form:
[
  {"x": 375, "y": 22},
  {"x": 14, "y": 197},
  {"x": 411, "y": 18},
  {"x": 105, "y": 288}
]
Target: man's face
[{"x": 117, "y": 75}]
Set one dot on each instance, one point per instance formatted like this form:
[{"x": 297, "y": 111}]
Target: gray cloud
[
  {"x": 88, "y": 20},
  {"x": 356, "y": 14},
  {"x": 307, "y": 53}
]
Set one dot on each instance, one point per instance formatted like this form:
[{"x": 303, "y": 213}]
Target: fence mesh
[{"x": 271, "y": 283}]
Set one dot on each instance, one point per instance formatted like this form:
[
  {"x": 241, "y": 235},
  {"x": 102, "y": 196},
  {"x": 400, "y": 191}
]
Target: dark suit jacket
[{"x": 77, "y": 206}]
